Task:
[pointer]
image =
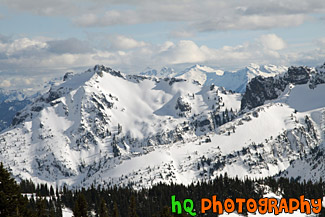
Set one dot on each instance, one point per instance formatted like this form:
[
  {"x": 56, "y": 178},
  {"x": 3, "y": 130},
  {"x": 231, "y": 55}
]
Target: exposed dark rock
[
  {"x": 36, "y": 108},
  {"x": 18, "y": 119},
  {"x": 182, "y": 105},
  {"x": 173, "y": 80},
  {"x": 99, "y": 69},
  {"x": 53, "y": 95},
  {"x": 260, "y": 89},
  {"x": 297, "y": 75},
  {"x": 318, "y": 77},
  {"x": 107, "y": 103},
  {"x": 204, "y": 123},
  {"x": 67, "y": 76}
]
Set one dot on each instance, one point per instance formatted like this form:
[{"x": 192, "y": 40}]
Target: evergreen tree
[
  {"x": 156, "y": 200},
  {"x": 58, "y": 207},
  {"x": 51, "y": 191},
  {"x": 103, "y": 209},
  {"x": 41, "y": 208},
  {"x": 132, "y": 208},
  {"x": 80, "y": 208},
  {"x": 115, "y": 210},
  {"x": 12, "y": 203},
  {"x": 76, "y": 210},
  {"x": 166, "y": 212}
]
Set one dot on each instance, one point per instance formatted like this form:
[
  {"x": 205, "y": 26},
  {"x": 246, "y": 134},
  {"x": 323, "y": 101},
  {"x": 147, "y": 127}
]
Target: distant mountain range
[
  {"x": 10, "y": 103},
  {"x": 231, "y": 80},
  {"x": 14, "y": 100},
  {"x": 105, "y": 127}
]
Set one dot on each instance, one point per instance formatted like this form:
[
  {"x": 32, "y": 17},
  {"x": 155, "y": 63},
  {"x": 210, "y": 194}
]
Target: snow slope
[
  {"x": 200, "y": 73},
  {"x": 164, "y": 72},
  {"x": 231, "y": 80},
  {"x": 238, "y": 80},
  {"x": 104, "y": 127},
  {"x": 103, "y": 117},
  {"x": 308, "y": 102},
  {"x": 241, "y": 152}
]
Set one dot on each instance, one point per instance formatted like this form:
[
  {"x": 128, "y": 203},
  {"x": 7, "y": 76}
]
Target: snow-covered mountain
[
  {"x": 11, "y": 101},
  {"x": 99, "y": 118},
  {"x": 165, "y": 72},
  {"x": 105, "y": 127},
  {"x": 231, "y": 80},
  {"x": 203, "y": 74},
  {"x": 238, "y": 80}
]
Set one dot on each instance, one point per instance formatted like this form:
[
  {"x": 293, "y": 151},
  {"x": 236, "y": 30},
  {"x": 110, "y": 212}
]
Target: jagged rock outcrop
[
  {"x": 182, "y": 105},
  {"x": 261, "y": 89},
  {"x": 318, "y": 77},
  {"x": 297, "y": 75},
  {"x": 67, "y": 76}
]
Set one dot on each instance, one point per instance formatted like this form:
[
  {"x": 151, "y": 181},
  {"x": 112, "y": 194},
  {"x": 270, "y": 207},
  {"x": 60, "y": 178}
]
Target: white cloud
[
  {"x": 165, "y": 46},
  {"x": 109, "y": 18},
  {"x": 86, "y": 20},
  {"x": 5, "y": 84},
  {"x": 272, "y": 42},
  {"x": 45, "y": 7},
  {"x": 185, "y": 51},
  {"x": 250, "y": 22},
  {"x": 25, "y": 57},
  {"x": 16, "y": 82},
  {"x": 320, "y": 43},
  {"x": 265, "y": 49},
  {"x": 182, "y": 33},
  {"x": 121, "y": 42},
  {"x": 208, "y": 15},
  {"x": 70, "y": 45},
  {"x": 20, "y": 45}
]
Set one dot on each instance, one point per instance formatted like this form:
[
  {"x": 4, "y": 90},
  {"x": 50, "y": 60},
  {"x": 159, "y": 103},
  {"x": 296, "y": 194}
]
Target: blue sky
[{"x": 41, "y": 39}]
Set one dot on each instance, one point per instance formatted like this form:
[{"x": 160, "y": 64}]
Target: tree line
[{"x": 29, "y": 199}]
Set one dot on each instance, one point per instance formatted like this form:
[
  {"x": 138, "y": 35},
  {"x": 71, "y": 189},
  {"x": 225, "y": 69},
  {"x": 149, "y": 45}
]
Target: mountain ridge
[
  {"x": 231, "y": 80},
  {"x": 105, "y": 127}
]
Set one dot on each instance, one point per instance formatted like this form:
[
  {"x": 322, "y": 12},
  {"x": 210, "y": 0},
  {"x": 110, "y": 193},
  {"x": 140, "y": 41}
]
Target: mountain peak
[
  {"x": 201, "y": 68},
  {"x": 166, "y": 69},
  {"x": 197, "y": 66},
  {"x": 321, "y": 68},
  {"x": 253, "y": 65},
  {"x": 164, "y": 72},
  {"x": 100, "y": 69},
  {"x": 268, "y": 70}
]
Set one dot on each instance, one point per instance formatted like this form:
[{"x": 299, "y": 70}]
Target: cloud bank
[
  {"x": 184, "y": 23},
  {"x": 27, "y": 56},
  {"x": 206, "y": 15}
]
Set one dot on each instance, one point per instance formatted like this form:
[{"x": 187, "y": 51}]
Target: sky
[{"x": 43, "y": 39}]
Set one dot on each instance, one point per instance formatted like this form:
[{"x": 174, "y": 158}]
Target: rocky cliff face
[{"x": 261, "y": 89}]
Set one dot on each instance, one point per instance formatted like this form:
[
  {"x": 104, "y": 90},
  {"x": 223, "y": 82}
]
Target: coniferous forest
[{"x": 28, "y": 199}]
